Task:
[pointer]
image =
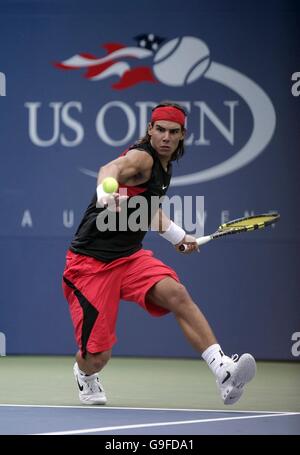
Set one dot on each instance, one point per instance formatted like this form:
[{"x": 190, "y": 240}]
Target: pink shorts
[{"x": 93, "y": 290}]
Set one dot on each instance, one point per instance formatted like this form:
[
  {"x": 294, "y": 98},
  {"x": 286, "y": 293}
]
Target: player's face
[{"x": 165, "y": 137}]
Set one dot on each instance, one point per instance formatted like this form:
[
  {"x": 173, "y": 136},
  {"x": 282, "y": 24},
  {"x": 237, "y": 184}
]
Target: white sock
[
  {"x": 82, "y": 373},
  {"x": 214, "y": 357}
]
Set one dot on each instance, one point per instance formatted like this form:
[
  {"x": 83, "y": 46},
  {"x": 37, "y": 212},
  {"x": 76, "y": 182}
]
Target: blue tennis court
[{"x": 78, "y": 420}]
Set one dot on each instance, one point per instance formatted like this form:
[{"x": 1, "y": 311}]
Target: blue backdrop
[{"x": 77, "y": 83}]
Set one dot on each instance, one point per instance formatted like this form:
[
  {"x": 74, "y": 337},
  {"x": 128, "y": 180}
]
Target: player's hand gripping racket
[{"x": 245, "y": 224}]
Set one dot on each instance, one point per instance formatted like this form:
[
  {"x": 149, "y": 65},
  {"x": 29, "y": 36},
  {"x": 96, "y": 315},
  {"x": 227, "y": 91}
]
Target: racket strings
[{"x": 252, "y": 222}]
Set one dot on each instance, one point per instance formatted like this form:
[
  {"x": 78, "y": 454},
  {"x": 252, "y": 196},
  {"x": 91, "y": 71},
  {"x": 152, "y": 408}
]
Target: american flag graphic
[{"x": 118, "y": 61}]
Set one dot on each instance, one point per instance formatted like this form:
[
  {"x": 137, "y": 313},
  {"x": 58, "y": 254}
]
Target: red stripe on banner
[
  {"x": 135, "y": 76},
  {"x": 88, "y": 56},
  {"x": 112, "y": 47},
  {"x": 97, "y": 69},
  {"x": 61, "y": 66}
]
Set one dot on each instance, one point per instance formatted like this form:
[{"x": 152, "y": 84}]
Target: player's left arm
[{"x": 173, "y": 233}]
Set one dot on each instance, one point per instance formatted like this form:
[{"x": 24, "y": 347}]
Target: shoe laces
[
  {"x": 93, "y": 383},
  {"x": 235, "y": 357}
]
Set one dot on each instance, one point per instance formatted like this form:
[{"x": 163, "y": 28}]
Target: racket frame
[{"x": 225, "y": 229}]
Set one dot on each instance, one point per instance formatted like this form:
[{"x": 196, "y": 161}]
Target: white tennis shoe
[
  {"x": 234, "y": 374},
  {"x": 90, "y": 388}
]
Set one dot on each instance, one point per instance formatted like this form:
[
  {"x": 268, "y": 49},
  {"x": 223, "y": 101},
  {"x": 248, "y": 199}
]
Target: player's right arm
[
  {"x": 124, "y": 168},
  {"x": 135, "y": 164}
]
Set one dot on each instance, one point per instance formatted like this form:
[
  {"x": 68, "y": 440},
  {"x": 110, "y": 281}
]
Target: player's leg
[
  {"x": 173, "y": 296},
  {"x": 92, "y": 363},
  {"x": 231, "y": 374},
  {"x": 93, "y": 299},
  {"x": 86, "y": 371},
  {"x": 156, "y": 288}
]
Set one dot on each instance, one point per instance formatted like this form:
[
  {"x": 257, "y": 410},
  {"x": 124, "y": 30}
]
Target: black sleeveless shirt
[{"x": 115, "y": 243}]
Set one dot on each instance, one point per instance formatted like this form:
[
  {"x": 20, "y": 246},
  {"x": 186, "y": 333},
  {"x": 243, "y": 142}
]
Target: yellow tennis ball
[{"x": 110, "y": 185}]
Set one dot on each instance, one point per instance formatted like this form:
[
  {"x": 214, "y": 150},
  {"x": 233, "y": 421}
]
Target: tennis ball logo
[
  {"x": 181, "y": 61},
  {"x": 110, "y": 185}
]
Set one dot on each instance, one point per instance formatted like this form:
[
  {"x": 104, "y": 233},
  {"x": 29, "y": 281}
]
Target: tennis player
[{"x": 103, "y": 267}]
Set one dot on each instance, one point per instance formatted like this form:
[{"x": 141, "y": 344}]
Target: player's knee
[{"x": 178, "y": 298}]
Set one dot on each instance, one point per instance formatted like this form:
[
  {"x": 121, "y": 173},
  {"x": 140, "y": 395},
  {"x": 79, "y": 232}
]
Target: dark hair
[{"x": 179, "y": 152}]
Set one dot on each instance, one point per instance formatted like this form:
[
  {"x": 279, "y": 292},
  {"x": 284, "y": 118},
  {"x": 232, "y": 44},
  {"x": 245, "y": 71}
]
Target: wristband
[{"x": 174, "y": 233}]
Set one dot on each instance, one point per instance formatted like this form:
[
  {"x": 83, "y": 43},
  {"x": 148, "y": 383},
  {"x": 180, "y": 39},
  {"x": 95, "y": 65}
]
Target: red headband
[{"x": 169, "y": 113}]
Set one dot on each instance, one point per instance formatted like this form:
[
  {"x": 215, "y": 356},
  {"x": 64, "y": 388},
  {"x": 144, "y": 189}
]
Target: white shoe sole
[
  {"x": 94, "y": 401},
  {"x": 243, "y": 373}
]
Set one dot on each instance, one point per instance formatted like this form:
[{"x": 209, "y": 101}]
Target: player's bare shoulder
[
  {"x": 135, "y": 167},
  {"x": 143, "y": 163},
  {"x": 141, "y": 158}
]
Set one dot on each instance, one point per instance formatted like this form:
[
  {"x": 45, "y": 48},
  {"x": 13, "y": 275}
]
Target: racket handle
[
  {"x": 200, "y": 241},
  {"x": 203, "y": 240}
]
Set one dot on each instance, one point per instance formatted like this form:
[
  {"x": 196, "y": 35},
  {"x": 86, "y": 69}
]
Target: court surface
[{"x": 149, "y": 396}]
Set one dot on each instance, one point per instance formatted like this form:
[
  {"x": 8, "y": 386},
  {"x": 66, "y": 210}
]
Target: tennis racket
[{"x": 249, "y": 223}]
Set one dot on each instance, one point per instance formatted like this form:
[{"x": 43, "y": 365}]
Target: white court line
[
  {"x": 100, "y": 408},
  {"x": 158, "y": 424}
]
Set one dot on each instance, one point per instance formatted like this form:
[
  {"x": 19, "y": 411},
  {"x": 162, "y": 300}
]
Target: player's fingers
[
  {"x": 190, "y": 247},
  {"x": 185, "y": 250},
  {"x": 114, "y": 201}
]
